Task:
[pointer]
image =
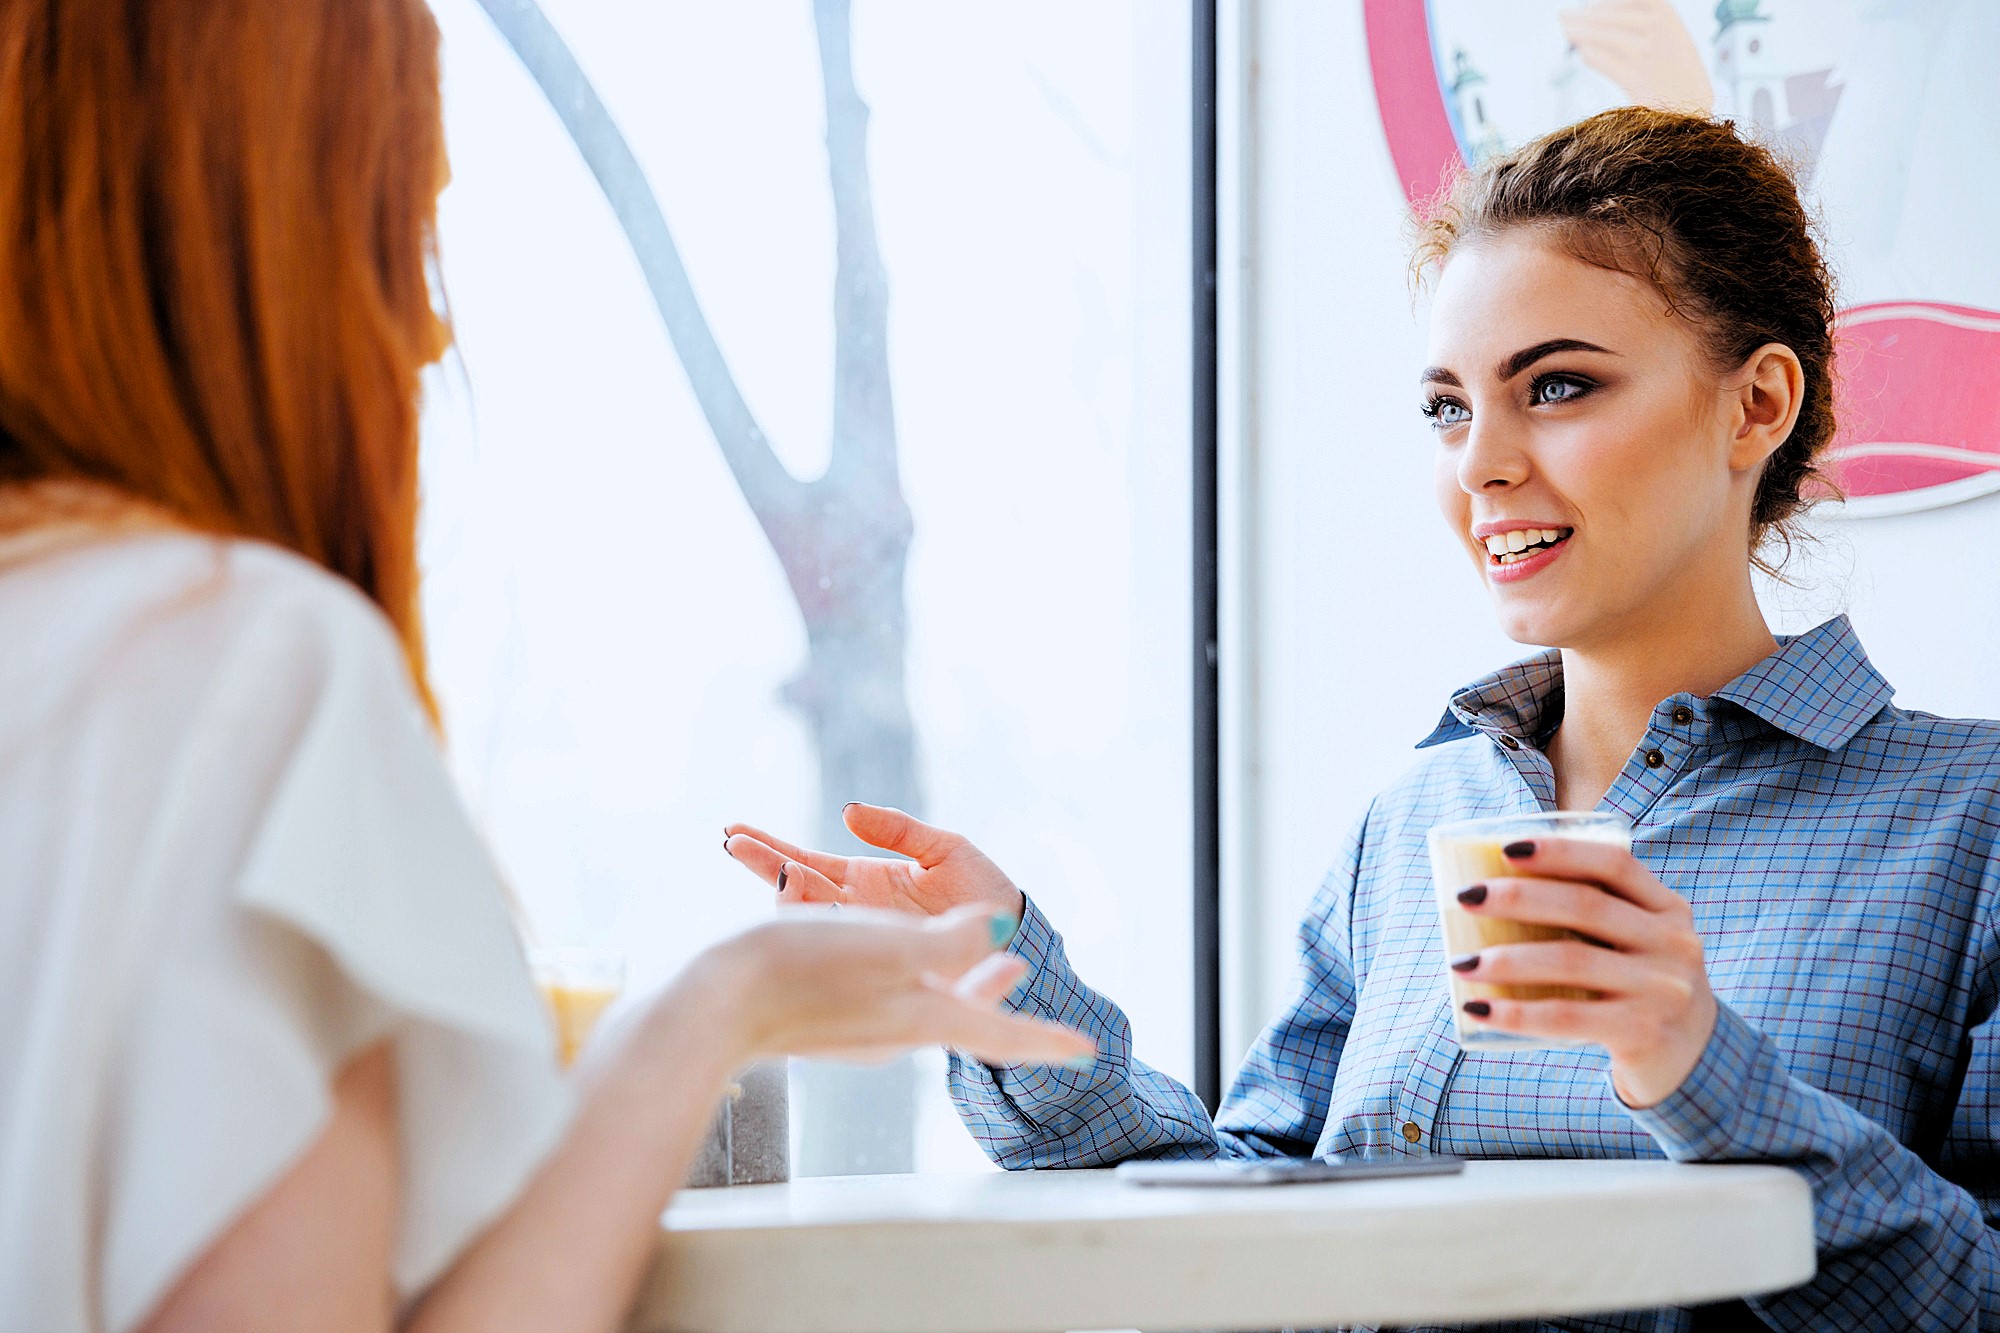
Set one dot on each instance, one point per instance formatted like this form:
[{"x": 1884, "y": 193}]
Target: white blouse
[{"x": 230, "y": 858}]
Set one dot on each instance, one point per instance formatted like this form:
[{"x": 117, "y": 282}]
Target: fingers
[
  {"x": 991, "y": 980},
  {"x": 860, "y": 983},
  {"x": 799, "y": 884},
  {"x": 1601, "y": 863},
  {"x": 894, "y": 831},
  {"x": 759, "y": 858},
  {"x": 1007, "y": 1039},
  {"x": 1645, "y": 1020},
  {"x": 733, "y": 842},
  {"x": 953, "y": 944},
  {"x": 1584, "y": 908},
  {"x": 1554, "y": 963},
  {"x": 1589, "y": 32},
  {"x": 1644, "y": 48},
  {"x": 1598, "y": 1021}
]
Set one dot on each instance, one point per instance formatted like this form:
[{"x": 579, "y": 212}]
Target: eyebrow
[{"x": 1518, "y": 362}]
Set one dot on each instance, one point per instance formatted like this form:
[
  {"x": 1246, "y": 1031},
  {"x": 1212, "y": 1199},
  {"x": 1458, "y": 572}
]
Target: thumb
[
  {"x": 960, "y": 940},
  {"x": 893, "y": 831}
]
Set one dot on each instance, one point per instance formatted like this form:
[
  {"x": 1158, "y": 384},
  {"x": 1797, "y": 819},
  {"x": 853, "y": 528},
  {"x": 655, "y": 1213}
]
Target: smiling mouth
[{"x": 1509, "y": 548}]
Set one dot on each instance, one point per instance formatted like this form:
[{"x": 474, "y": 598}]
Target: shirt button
[
  {"x": 1683, "y": 715},
  {"x": 1412, "y": 1131},
  {"x": 1510, "y": 743},
  {"x": 1654, "y": 759}
]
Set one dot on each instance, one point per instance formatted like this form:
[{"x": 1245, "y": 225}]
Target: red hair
[{"x": 216, "y": 234}]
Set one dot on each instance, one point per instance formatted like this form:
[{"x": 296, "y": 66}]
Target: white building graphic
[
  {"x": 1476, "y": 130},
  {"x": 1749, "y": 82}
]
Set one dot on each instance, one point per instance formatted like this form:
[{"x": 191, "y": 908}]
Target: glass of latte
[{"x": 1467, "y": 852}]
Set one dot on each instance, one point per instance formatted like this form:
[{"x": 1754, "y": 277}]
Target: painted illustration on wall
[{"x": 1890, "y": 111}]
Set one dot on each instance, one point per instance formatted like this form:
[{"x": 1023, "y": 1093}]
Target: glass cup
[
  {"x": 1466, "y": 852},
  {"x": 579, "y": 984}
]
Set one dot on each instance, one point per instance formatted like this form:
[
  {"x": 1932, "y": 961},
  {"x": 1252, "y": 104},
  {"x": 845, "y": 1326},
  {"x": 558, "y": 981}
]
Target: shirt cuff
[
  {"x": 1049, "y": 991},
  {"x": 1040, "y": 993},
  {"x": 1699, "y": 1121}
]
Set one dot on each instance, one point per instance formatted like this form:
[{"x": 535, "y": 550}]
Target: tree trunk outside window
[{"x": 842, "y": 539}]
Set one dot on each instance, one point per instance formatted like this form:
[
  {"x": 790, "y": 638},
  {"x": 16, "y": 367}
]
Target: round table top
[{"x": 1046, "y": 1251}]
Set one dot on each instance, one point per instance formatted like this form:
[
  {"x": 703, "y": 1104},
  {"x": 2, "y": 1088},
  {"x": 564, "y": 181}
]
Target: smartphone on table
[{"x": 1283, "y": 1171}]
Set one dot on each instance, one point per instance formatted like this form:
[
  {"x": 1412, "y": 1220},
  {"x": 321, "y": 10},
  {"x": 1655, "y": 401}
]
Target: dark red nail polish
[
  {"x": 1517, "y": 851},
  {"x": 1473, "y": 896},
  {"x": 1465, "y": 962},
  {"x": 783, "y": 871},
  {"x": 1477, "y": 1008}
]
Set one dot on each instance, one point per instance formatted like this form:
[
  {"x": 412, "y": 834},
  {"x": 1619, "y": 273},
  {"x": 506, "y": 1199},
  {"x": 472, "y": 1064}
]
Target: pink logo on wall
[{"x": 1877, "y": 104}]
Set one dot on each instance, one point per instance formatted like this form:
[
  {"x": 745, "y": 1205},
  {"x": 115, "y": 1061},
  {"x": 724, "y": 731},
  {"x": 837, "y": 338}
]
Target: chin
[{"x": 1534, "y": 626}]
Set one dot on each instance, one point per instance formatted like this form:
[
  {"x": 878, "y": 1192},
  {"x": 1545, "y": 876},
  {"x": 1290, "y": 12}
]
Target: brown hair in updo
[{"x": 1709, "y": 218}]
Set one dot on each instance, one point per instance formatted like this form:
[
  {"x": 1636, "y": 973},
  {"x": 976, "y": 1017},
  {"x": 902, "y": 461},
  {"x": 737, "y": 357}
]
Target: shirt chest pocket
[{"x": 1399, "y": 1061}]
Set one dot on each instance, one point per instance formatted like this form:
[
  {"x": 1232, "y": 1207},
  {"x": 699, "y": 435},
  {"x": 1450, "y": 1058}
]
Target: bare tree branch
[
  {"x": 843, "y": 540},
  {"x": 864, "y": 420},
  {"x": 775, "y": 496}
]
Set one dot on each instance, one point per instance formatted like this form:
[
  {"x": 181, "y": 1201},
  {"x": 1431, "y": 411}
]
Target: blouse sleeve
[{"x": 320, "y": 889}]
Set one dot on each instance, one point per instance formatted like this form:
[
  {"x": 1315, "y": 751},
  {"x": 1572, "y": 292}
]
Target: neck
[
  {"x": 1611, "y": 688},
  {"x": 45, "y": 515}
]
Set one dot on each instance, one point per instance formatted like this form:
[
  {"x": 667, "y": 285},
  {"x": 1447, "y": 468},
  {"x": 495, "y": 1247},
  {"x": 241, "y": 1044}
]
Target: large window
[{"x": 916, "y": 532}]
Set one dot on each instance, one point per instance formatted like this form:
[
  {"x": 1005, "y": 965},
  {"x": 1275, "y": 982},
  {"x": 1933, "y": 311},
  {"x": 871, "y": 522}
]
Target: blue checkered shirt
[{"x": 1843, "y": 859}]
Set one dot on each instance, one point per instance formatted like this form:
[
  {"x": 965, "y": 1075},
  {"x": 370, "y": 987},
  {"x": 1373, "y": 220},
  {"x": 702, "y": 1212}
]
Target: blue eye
[
  {"x": 1444, "y": 412},
  {"x": 1558, "y": 389}
]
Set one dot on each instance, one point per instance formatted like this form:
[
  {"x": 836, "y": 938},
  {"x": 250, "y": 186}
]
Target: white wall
[{"x": 1365, "y": 616}]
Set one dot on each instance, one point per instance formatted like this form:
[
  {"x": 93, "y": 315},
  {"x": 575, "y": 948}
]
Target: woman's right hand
[
  {"x": 943, "y": 871},
  {"x": 1644, "y": 48},
  {"x": 868, "y": 985}
]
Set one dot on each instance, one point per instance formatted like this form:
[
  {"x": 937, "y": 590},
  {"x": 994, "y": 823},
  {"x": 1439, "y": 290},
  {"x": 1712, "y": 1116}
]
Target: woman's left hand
[{"x": 1655, "y": 1013}]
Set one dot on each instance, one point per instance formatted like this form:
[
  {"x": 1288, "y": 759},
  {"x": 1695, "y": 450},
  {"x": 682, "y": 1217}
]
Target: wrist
[
  {"x": 1647, "y": 1081},
  {"x": 711, "y": 1013},
  {"x": 1014, "y": 902}
]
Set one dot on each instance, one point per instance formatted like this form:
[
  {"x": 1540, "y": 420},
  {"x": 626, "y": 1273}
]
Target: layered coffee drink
[{"x": 1468, "y": 852}]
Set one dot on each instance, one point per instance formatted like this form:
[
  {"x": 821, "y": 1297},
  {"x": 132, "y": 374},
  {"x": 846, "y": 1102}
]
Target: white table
[{"x": 1039, "y": 1252}]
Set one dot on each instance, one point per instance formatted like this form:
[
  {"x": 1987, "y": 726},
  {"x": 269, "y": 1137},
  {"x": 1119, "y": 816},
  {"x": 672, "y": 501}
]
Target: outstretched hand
[
  {"x": 866, "y": 986},
  {"x": 943, "y": 871}
]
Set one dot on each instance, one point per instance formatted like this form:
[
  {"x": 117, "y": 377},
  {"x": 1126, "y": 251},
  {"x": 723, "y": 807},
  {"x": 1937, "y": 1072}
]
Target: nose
[{"x": 1492, "y": 459}]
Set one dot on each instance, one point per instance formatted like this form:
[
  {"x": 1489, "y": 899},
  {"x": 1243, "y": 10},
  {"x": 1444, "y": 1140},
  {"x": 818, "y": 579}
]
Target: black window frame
[{"x": 1207, "y": 737}]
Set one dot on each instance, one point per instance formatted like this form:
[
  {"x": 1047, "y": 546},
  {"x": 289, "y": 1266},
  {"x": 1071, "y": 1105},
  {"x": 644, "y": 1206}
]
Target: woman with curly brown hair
[{"x": 1798, "y": 961}]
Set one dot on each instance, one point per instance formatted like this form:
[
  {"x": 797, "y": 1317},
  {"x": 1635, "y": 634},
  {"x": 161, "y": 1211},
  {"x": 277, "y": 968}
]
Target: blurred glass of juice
[{"x": 579, "y": 984}]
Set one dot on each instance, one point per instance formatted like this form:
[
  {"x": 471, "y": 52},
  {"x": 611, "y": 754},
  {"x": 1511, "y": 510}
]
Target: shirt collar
[
  {"x": 1819, "y": 686},
  {"x": 1523, "y": 701}
]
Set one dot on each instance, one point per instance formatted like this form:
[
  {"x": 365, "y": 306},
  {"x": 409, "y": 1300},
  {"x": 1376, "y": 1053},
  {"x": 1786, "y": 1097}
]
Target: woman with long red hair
[{"x": 271, "y": 1055}]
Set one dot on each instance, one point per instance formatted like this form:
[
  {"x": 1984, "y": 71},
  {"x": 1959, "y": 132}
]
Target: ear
[{"x": 1764, "y": 403}]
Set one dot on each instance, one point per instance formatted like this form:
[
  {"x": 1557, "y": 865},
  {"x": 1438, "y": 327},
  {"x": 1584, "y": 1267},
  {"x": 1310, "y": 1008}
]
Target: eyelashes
[
  {"x": 1537, "y": 395},
  {"x": 1549, "y": 390},
  {"x": 1442, "y": 412}
]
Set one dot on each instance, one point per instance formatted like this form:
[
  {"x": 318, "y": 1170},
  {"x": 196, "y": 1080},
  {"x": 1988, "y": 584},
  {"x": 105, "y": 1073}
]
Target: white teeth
[{"x": 1506, "y": 547}]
